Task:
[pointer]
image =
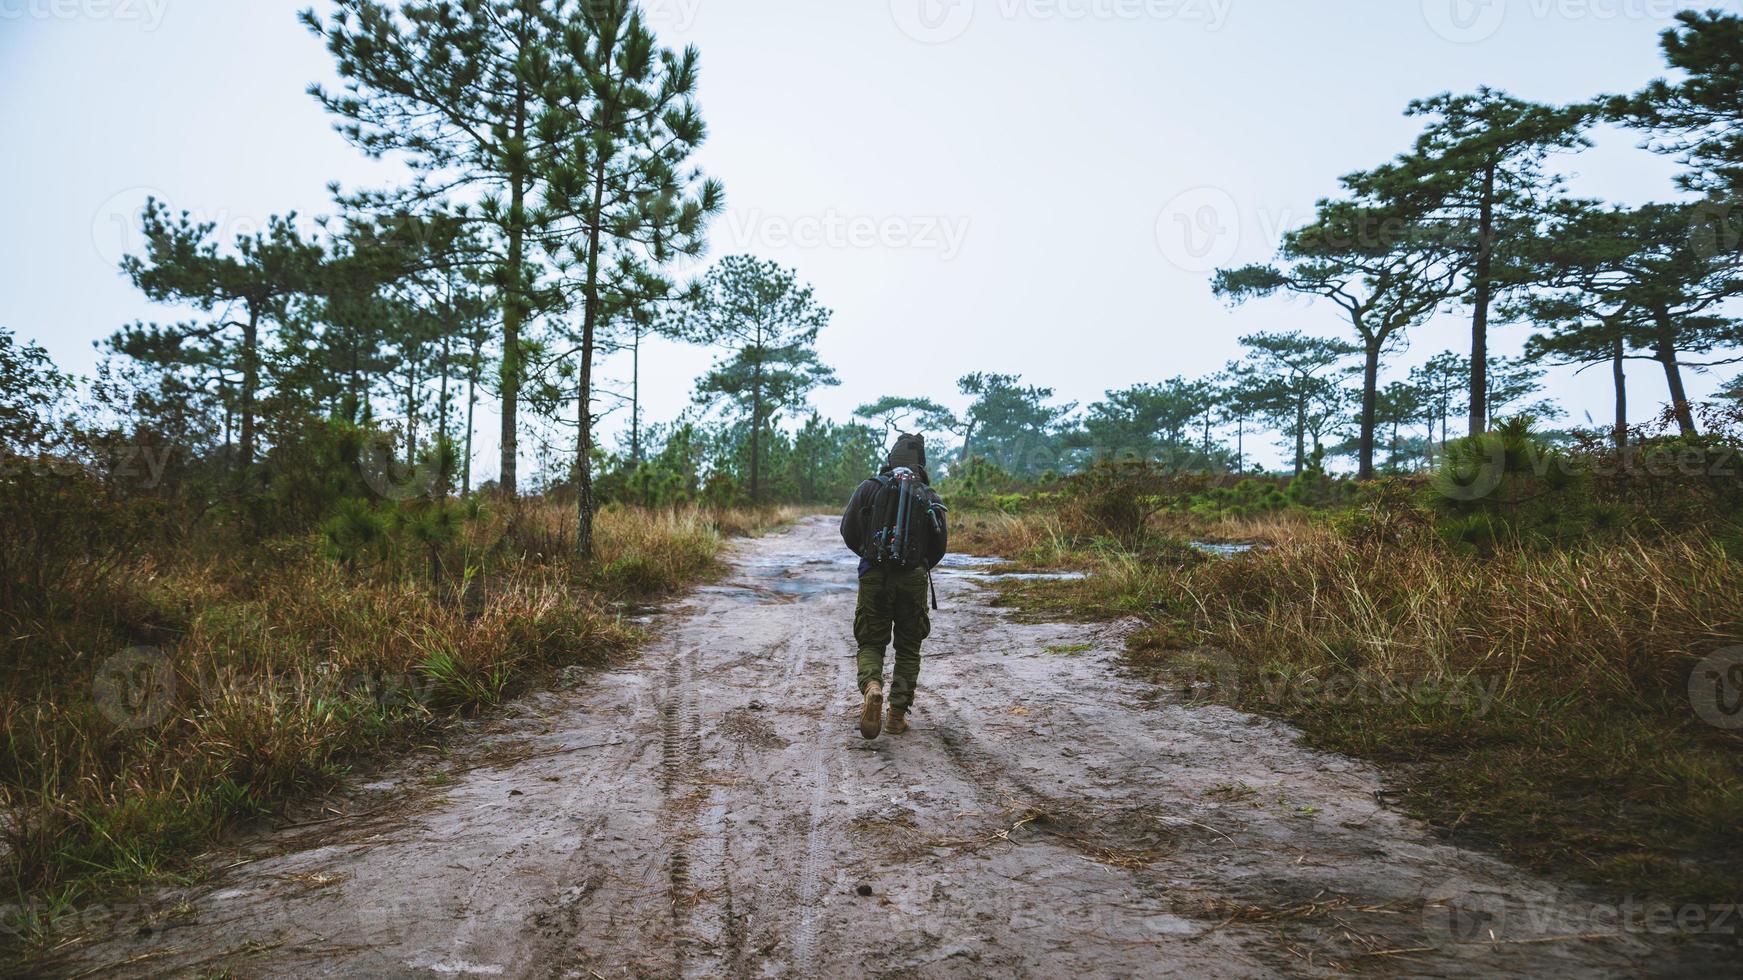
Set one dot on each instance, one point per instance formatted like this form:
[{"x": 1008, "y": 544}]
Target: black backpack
[{"x": 900, "y": 522}]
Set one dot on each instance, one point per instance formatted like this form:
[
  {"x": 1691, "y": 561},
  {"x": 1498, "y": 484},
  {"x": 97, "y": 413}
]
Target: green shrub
[{"x": 1248, "y": 498}]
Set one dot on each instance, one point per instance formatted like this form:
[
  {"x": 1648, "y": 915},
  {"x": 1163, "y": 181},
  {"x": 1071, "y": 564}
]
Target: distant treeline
[{"x": 551, "y": 192}]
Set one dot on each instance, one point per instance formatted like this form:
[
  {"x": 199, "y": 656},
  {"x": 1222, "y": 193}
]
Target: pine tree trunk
[
  {"x": 756, "y": 431},
  {"x": 635, "y": 399},
  {"x": 1370, "y": 402},
  {"x": 1620, "y": 378},
  {"x": 442, "y": 455},
  {"x": 250, "y": 381},
  {"x": 1300, "y": 432},
  {"x": 1679, "y": 399},
  {"x": 411, "y": 415},
  {"x": 471, "y": 428},
  {"x": 584, "y": 504},
  {"x": 353, "y": 400},
  {"x": 442, "y": 395},
  {"x": 508, "y": 482},
  {"x": 474, "y": 368},
  {"x": 1480, "y": 315}
]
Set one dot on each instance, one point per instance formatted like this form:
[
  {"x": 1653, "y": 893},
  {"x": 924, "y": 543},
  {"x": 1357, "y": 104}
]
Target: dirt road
[{"x": 709, "y": 810}]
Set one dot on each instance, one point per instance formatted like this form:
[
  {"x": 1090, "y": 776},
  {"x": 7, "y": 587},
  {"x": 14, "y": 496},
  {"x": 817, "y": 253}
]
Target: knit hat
[{"x": 910, "y": 451}]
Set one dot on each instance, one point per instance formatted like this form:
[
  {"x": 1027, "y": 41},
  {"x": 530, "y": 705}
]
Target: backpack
[{"x": 901, "y": 522}]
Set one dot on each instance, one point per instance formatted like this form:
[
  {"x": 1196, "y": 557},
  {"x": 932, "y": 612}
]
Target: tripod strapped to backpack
[{"x": 907, "y": 521}]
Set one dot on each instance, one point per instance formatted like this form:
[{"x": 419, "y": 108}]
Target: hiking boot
[
  {"x": 898, "y": 723},
  {"x": 871, "y": 717}
]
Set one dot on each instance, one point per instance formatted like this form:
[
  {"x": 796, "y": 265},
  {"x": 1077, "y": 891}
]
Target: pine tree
[
  {"x": 1644, "y": 277},
  {"x": 1400, "y": 403},
  {"x": 1010, "y": 422},
  {"x": 1295, "y": 381},
  {"x": 460, "y": 91},
  {"x": 623, "y": 200},
  {"x": 1699, "y": 117},
  {"x": 1386, "y": 272},
  {"x": 767, "y": 323},
  {"x": 1444, "y": 380},
  {"x": 896, "y": 413},
  {"x": 1477, "y": 172},
  {"x": 248, "y": 290},
  {"x": 1149, "y": 421}
]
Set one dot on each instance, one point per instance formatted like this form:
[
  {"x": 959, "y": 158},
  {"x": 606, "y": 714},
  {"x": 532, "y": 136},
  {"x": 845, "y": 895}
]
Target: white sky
[{"x": 1006, "y": 179}]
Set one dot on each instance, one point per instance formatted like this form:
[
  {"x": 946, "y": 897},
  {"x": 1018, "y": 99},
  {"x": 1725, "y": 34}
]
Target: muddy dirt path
[{"x": 710, "y": 810}]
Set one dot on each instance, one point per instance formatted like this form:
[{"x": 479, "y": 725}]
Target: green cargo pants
[{"x": 891, "y": 599}]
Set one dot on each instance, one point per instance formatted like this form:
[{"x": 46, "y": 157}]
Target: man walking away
[{"x": 895, "y": 524}]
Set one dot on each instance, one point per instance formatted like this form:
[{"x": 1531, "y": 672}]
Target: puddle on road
[
  {"x": 1018, "y": 576},
  {"x": 789, "y": 577},
  {"x": 1223, "y": 550},
  {"x": 984, "y": 568},
  {"x": 971, "y": 561}
]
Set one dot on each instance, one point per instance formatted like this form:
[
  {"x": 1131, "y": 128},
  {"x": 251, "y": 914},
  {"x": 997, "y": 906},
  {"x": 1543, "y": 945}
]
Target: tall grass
[
  {"x": 189, "y": 691},
  {"x": 1535, "y": 699},
  {"x": 1584, "y": 756}
]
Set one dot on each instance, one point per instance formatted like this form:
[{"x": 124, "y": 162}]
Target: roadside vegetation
[
  {"x": 177, "y": 684},
  {"x": 1512, "y": 636}
]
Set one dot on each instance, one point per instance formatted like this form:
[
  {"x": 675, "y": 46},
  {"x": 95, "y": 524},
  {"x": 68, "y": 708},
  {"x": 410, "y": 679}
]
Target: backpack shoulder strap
[{"x": 868, "y": 492}]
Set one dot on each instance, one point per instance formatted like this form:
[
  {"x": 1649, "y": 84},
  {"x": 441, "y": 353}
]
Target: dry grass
[
  {"x": 1614, "y": 620},
  {"x": 1540, "y": 698},
  {"x": 1268, "y": 529},
  {"x": 1533, "y": 699},
  {"x": 256, "y": 679},
  {"x": 1032, "y": 539}
]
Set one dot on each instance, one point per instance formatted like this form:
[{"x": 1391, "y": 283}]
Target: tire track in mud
[
  {"x": 680, "y": 760},
  {"x": 811, "y": 860},
  {"x": 810, "y": 888},
  {"x": 709, "y": 932}
]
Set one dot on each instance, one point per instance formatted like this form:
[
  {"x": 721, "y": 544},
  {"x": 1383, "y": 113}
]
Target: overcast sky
[{"x": 1031, "y": 186}]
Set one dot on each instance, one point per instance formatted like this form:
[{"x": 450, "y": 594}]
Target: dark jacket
[{"x": 910, "y": 451}]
